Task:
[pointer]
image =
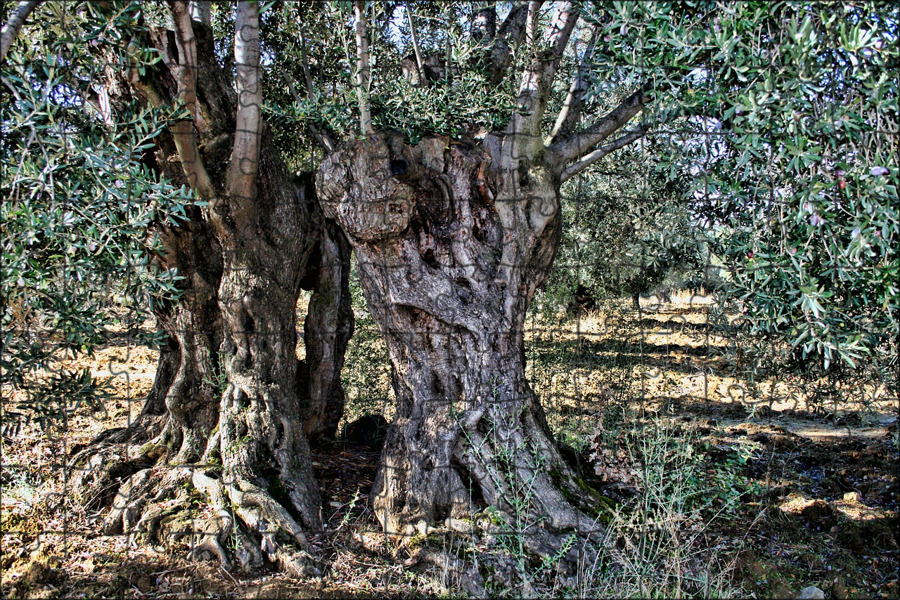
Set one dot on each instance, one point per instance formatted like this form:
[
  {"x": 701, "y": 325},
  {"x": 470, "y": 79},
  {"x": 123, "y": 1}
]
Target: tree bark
[
  {"x": 450, "y": 253},
  {"x": 327, "y": 331},
  {"x": 14, "y": 25},
  {"x": 263, "y": 448},
  {"x": 182, "y": 406},
  {"x": 194, "y": 324}
]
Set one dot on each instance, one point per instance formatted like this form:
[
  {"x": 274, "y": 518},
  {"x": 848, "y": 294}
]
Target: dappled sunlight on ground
[{"x": 813, "y": 463}]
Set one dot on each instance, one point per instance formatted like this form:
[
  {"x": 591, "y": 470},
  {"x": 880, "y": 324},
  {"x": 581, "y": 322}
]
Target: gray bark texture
[
  {"x": 451, "y": 242},
  {"x": 452, "y": 239},
  {"x": 327, "y": 331},
  {"x": 12, "y": 27}
]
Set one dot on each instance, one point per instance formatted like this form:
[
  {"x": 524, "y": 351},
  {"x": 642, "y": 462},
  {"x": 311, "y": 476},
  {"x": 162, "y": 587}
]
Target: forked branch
[
  {"x": 591, "y": 158},
  {"x": 581, "y": 142},
  {"x": 572, "y": 106},
  {"x": 537, "y": 79}
]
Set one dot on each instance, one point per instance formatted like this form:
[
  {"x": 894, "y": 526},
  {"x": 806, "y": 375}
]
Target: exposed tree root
[
  {"x": 255, "y": 515},
  {"x": 454, "y": 572},
  {"x": 116, "y": 455},
  {"x": 234, "y": 522}
]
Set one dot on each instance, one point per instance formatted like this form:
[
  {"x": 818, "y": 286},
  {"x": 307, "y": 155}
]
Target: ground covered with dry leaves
[{"x": 720, "y": 484}]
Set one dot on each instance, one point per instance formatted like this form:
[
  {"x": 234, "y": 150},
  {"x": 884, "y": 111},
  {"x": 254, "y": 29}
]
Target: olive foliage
[
  {"x": 782, "y": 119},
  {"x": 79, "y": 206}
]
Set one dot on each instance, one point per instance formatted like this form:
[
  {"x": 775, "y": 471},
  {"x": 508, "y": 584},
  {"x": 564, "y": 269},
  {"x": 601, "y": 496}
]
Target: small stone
[
  {"x": 812, "y": 593},
  {"x": 851, "y": 497},
  {"x": 459, "y": 525}
]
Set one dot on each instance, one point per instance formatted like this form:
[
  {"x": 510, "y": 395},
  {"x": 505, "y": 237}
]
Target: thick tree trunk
[
  {"x": 267, "y": 472},
  {"x": 451, "y": 243},
  {"x": 226, "y": 414},
  {"x": 182, "y": 407},
  {"x": 194, "y": 324}
]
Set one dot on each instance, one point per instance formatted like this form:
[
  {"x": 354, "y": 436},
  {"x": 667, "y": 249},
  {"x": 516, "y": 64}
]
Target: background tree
[
  {"x": 627, "y": 231},
  {"x": 796, "y": 172}
]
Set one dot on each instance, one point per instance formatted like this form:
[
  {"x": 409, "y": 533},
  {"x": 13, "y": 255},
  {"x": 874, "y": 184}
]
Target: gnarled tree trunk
[
  {"x": 452, "y": 241},
  {"x": 182, "y": 406},
  {"x": 194, "y": 330},
  {"x": 450, "y": 252},
  {"x": 263, "y": 448},
  {"x": 228, "y": 415}
]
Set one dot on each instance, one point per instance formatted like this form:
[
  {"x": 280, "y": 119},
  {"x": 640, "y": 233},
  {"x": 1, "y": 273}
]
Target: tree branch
[
  {"x": 310, "y": 91},
  {"x": 571, "y": 109},
  {"x": 511, "y": 33},
  {"x": 185, "y": 74},
  {"x": 14, "y": 25},
  {"x": 420, "y": 64},
  {"x": 599, "y": 153},
  {"x": 531, "y": 19},
  {"x": 244, "y": 165},
  {"x": 577, "y": 144},
  {"x": 362, "y": 69},
  {"x": 534, "y": 91}
]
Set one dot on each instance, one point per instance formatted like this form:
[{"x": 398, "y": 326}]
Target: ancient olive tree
[
  {"x": 452, "y": 239},
  {"x": 454, "y": 230},
  {"x": 448, "y": 191},
  {"x": 232, "y": 408}
]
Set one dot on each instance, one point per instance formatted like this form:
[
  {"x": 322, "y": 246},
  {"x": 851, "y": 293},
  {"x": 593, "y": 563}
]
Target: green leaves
[
  {"x": 796, "y": 178},
  {"x": 626, "y": 228},
  {"x": 783, "y": 117},
  {"x": 79, "y": 200},
  {"x": 468, "y": 103}
]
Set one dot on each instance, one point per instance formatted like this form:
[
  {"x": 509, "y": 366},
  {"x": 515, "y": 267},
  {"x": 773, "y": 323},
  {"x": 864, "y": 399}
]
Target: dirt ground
[{"x": 817, "y": 482}]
